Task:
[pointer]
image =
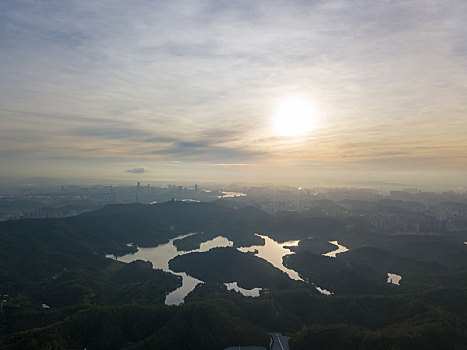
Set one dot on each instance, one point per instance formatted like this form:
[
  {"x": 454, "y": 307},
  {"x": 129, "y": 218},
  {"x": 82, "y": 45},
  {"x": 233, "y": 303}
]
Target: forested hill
[
  {"x": 95, "y": 302},
  {"x": 39, "y": 249}
]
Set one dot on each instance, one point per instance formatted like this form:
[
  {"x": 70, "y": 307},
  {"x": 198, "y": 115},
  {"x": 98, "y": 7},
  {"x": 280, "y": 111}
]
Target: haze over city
[{"x": 313, "y": 92}]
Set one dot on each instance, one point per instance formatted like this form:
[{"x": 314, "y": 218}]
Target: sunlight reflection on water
[
  {"x": 159, "y": 256},
  {"x": 340, "y": 249},
  {"x": 273, "y": 252}
]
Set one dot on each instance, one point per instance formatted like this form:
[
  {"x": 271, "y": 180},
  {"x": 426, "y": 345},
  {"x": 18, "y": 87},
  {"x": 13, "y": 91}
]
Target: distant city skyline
[{"x": 152, "y": 91}]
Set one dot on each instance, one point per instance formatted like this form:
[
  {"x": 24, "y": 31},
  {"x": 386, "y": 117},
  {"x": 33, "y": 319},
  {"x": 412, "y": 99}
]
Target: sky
[{"x": 188, "y": 90}]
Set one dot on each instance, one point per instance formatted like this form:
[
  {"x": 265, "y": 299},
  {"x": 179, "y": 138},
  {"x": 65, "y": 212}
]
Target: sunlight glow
[{"x": 294, "y": 118}]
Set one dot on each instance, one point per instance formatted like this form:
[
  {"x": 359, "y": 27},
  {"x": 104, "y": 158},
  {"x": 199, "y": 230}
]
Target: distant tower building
[
  {"x": 138, "y": 187},
  {"x": 196, "y": 188}
]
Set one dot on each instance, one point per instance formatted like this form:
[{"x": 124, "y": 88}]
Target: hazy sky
[{"x": 153, "y": 90}]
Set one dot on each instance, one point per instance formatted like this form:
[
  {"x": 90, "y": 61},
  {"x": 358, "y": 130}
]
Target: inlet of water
[
  {"x": 340, "y": 249},
  {"x": 160, "y": 256},
  {"x": 246, "y": 292},
  {"x": 273, "y": 252}
]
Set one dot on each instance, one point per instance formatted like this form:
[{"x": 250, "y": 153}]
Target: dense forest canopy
[{"x": 60, "y": 291}]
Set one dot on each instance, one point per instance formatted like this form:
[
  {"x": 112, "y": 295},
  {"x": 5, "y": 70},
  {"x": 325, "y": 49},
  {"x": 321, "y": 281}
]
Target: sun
[{"x": 294, "y": 117}]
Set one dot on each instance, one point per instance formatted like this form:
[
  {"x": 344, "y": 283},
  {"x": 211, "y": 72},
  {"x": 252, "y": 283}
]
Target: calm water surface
[
  {"x": 394, "y": 278},
  {"x": 161, "y": 255},
  {"x": 324, "y": 291},
  {"x": 340, "y": 249},
  {"x": 246, "y": 292},
  {"x": 231, "y": 194},
  {"x": 273, "y": 252}
]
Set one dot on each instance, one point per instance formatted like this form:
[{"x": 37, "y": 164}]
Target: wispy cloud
[
  {"x": 206, "y": 152},
  {"x": 198, "y": 81}
]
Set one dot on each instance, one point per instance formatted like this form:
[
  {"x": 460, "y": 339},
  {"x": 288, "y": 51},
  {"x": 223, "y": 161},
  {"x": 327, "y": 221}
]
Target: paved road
[
  {"x": 280, "y": 342},
  {"x": 246, "y": 348}
]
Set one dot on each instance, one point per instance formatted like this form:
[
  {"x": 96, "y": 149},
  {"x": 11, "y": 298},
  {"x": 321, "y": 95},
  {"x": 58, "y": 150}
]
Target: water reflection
[
  {"x": 273, "y": 252},
  {"x": 340, "y": 249},
  {"x": 217, "y": 242},
  {"x": 231, "y": 194},
  {"x": 177, "y": 296},
  {"x": 324, "y": 291},
  {"x": 161, "y": 255},
  {"x": 246, "y": 292},
  {"x": 394, "y": 278}
]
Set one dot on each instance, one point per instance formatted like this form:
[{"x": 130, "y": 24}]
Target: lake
[
  {"x": 273, "y": 252},
  {"x": 246, "y": 292},
  {"x": 159, "y": 256},
  {"x": 340, "y": 249},
  {"x": 394, "y": 278}
]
